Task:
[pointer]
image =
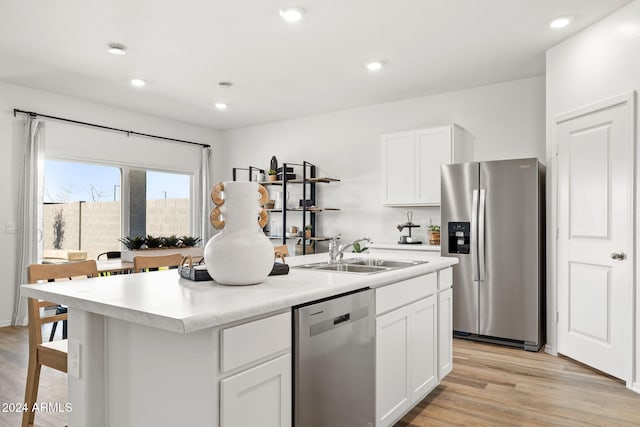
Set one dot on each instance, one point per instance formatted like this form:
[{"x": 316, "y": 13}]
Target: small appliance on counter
[{"x": 409, "y": 224}]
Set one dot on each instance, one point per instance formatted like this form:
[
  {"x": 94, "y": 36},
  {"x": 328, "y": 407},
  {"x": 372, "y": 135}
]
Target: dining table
[{"x": 114, "y": 266}]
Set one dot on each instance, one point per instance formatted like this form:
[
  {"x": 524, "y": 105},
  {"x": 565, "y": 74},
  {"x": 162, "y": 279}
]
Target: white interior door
[{"x": 595, "y": 235}]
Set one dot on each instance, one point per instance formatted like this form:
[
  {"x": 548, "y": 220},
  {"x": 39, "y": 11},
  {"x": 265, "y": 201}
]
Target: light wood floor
[
  {"x": 500, "y": 386},
  {"x": 14, "y": 355},
  {"x": 489, "y": 386}
]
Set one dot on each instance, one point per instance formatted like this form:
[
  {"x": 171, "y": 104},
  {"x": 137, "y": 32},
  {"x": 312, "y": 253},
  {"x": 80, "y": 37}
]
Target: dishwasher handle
[
  {"x": 321, "y": 326},
  {"x": 341, "y": 319}
]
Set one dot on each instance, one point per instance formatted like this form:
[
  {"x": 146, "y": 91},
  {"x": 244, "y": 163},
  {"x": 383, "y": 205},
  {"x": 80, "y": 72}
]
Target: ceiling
[{"x": 279, "y": 70}]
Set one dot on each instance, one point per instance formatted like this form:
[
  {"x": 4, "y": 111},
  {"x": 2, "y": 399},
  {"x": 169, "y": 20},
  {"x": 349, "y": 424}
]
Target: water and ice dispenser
[{"x": 459, "y": 237}]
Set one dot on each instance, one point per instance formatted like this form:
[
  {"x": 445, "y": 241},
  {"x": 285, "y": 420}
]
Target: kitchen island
[{"x": 154, "y": 349}]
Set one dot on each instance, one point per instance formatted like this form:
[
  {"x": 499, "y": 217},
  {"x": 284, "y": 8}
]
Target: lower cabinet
[
  {"x": 255, "y": 372},
  {"x": 423, "y": 325},
  {"x": 406, "y": 358},
  {"x": 260, "y": 396},
  {"x": 445, "y": 333}
]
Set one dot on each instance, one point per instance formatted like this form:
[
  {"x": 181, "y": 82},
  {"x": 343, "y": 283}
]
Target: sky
[{"x": 71, "y": 181}]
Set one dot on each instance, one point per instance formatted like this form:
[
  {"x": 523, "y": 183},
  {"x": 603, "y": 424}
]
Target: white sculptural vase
[{"x": 240, "y": 254}]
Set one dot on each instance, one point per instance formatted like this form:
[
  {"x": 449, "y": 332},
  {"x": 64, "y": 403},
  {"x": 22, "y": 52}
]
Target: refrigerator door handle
[
  {"x": 481, "y": 234},
  {"x": 474, "y": 236}
]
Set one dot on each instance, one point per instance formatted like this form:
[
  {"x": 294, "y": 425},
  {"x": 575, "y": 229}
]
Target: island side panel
[
  {"x": 86, "y": 388},
  {"x": 160, "y": 378}
]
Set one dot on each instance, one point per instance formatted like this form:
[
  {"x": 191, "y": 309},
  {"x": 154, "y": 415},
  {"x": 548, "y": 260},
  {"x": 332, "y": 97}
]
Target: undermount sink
[
  {"x": 350, "y": 268},
  {"x": 374, "y": 262},
  {"x": 361, "y": 265}
]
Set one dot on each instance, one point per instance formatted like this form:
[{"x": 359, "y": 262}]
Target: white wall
[
  {"x": 506, "y": 119},
  {"x": 598, "y": 63},
  {"x": 11, "y": 130}
]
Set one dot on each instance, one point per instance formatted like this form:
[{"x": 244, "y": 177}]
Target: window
[
  {"x": 83, "y": 209},
  {"x": 168, "y": 204}
]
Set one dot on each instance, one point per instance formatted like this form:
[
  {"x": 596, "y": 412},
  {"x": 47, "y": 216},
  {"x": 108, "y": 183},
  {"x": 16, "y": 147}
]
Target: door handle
[
  {"x": 618, "y": 256},
  {"x": 481, "y": 234},
  {"x": 474, "y": 236}
]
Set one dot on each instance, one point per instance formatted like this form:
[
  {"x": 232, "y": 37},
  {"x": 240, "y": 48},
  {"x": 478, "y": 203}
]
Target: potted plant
[
  {"x": 273, "y": 174},
  {"x": 307, "y": 230},
  {"x": 357, "y": 248},
  {"x": 433, "y": 233},
  {"x": 132, "y": 243},
  {"x": 154, "y": 246}
]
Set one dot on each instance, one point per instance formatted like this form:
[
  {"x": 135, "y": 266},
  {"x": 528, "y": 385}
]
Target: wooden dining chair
[
  {"x": 141, "y": 263},
  {"x": 52, "y": 354}
]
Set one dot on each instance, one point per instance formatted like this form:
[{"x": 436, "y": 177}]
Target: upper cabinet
[{"x": 411, "y": 163}]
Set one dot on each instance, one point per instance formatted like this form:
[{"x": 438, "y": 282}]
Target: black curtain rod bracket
[{"x": 128, "y": 132}]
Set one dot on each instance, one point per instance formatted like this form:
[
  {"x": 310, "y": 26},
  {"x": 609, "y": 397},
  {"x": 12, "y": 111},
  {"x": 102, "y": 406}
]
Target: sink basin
[
  {"x": 351, "y": 268},
  {"x": 381, "y": 262},
  {"x": 361, "y": 265}
]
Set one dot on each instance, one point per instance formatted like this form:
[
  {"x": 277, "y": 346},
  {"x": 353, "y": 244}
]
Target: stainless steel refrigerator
[{"x": 492, "y": 217}]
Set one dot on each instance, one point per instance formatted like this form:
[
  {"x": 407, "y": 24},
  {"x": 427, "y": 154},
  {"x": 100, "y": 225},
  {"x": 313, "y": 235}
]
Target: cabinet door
[
  {"x": 398, "y": 168},
  {"x": 393, "y": 396},
  {"x": 433, "y": 148},
  {"x": 445, "y": 333},
  {"x": 423, "y": 344},
  {"x": 259, "y": 396}
]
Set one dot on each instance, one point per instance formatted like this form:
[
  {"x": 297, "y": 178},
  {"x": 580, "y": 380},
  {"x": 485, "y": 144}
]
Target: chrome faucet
[{"x": 337, "y": 252}]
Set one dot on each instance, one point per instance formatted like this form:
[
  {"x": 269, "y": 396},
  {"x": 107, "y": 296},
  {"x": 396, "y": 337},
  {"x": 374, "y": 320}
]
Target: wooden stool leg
[{"x": 31, "y": 392}]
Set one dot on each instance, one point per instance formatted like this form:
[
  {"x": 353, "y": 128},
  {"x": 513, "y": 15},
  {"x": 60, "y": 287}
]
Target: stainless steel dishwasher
[{"x": 334, "y": 362}]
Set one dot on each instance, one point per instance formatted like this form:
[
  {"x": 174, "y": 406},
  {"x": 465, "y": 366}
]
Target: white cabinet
[
  {"x": 445, "y": 323},
  {"x": 255, "y": 366},
  {"x": 392, "y": 366},
  {"x": 423, "y": 347},
  {"x": 411, "y": 163},
  {"x": 445, "y": 333},
  {"x": 406, "y": 346},
  {"x": 260, "y": 396}
]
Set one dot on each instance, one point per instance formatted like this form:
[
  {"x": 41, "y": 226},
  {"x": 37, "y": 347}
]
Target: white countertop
[
  {"x": 164, "y": 300},
  {"x": 406, "y": 247}
]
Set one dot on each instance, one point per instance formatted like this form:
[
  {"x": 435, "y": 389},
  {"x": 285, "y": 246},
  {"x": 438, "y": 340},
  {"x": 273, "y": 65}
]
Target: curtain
[
  {"x": 205, "y": 190},
  {"x": 30, "y": 198}
]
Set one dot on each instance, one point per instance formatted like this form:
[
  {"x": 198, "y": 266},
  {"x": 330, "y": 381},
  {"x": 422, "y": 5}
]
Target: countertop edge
[{"x": 200, "y": 321}]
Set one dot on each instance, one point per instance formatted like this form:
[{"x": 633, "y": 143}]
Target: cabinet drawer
[
  {"x": 249, "y": 342},
  {"x": 446, "y": 279},
  {"x": 402, "y": 293}
]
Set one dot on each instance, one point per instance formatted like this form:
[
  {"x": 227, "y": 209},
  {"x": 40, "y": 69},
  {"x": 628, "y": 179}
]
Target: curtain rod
[{"x": 128, "y": 132}]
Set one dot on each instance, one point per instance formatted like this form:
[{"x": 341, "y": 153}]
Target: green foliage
[
  {"x": 132, "y": 243},
  {"x": 272, "y": 172},
  {"x": 359, "y": 249},
  {"x": 58, "y": 229},
  {"x": 433, "y": 228},
  {"x": 160, "y": 242},
  {"x": 188, "y": 241},
  {"x": 170, "y": 242},
  {"x": 153, "y": 242}
]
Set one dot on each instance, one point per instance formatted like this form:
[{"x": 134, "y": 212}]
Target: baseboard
[
  {"x": 635, "y": 387},
  {"x": 4, "y": 323}
]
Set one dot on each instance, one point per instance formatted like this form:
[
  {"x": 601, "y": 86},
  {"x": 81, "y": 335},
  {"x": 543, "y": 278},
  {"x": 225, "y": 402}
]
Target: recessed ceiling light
[
  {"x": 374, "y": 65},
  {"x": 138, "y": 83},
  {"x": 292, "y": 14},
  {"x": 221, "y": 106},
  {"x": 117, "y": 49},
  {"x": 561, "y": 22}
]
